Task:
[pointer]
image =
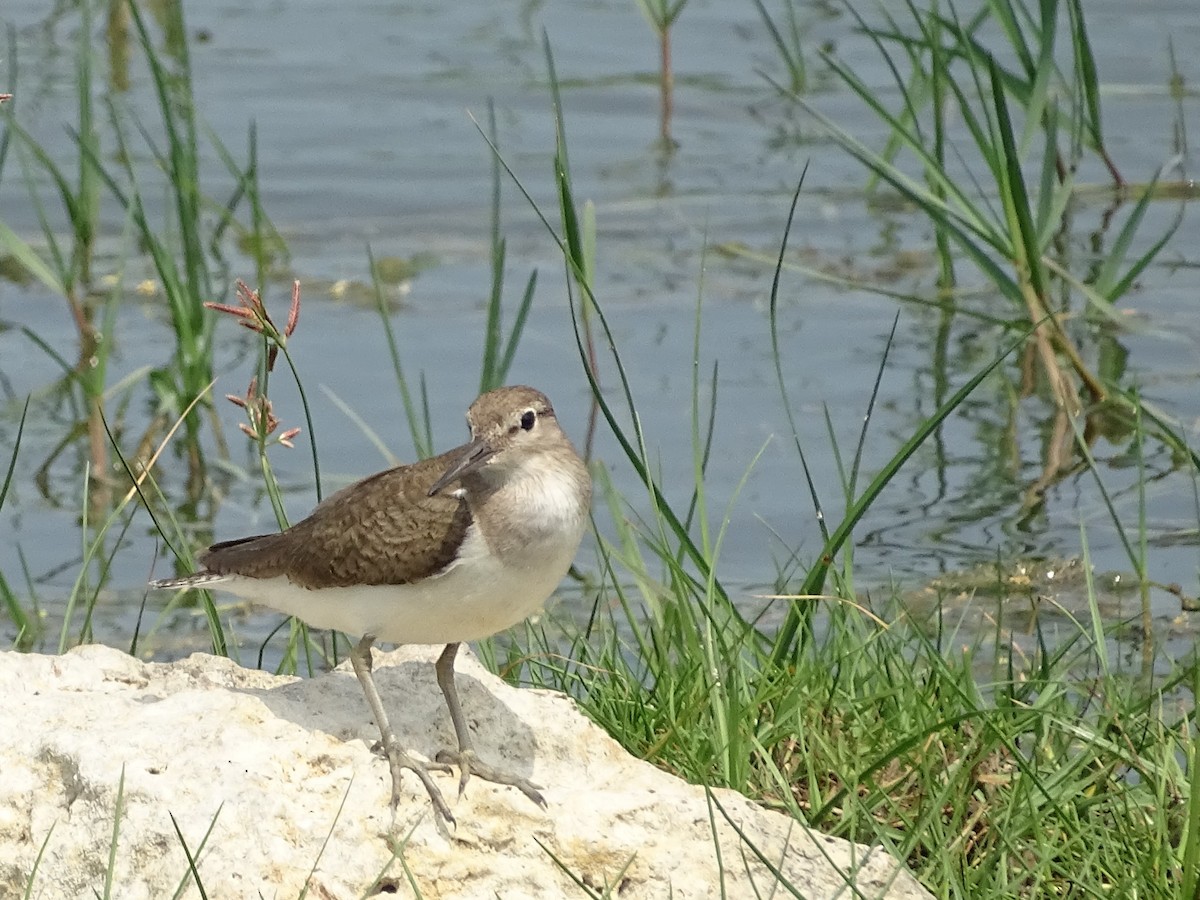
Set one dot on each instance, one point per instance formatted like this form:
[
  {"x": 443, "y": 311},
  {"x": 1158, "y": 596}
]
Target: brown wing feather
[{"x": 382, "y": 530}]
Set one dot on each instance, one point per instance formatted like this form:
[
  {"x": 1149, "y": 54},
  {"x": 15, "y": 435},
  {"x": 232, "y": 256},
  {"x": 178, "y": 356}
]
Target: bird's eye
[{"x": 527, "y": 419}]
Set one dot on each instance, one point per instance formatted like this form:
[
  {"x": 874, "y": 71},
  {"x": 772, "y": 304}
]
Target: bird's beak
[{"x": 469, "y": 458}]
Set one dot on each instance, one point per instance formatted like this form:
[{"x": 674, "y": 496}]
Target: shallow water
[{"x": 365, "y": 136}]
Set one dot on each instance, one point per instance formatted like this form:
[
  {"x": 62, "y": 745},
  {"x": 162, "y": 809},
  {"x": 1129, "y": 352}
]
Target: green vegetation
[
  {"x": 1066, "y": 771},
  {"x": 992, "y": 216}
]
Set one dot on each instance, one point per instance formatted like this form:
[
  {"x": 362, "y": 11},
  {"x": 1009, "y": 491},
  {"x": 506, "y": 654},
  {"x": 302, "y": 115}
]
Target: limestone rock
[{"x": 271, "y": 783}]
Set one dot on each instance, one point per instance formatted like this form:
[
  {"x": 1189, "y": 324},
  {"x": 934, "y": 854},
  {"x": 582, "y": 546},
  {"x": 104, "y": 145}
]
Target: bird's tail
[{"x": 199, "y": 580}]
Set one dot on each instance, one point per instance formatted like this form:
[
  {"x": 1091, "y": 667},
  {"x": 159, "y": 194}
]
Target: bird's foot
[
  {"x": 470, "y": 764},
  {"x": 399, "y": 760}
]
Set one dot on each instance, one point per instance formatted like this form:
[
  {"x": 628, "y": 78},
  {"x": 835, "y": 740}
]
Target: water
[{"x": 365, "y": 136}]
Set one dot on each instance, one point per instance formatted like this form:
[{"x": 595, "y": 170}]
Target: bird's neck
[{"x": 543, "y": 499}]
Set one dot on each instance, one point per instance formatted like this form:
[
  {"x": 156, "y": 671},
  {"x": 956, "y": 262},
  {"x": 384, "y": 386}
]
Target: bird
[{"x": 447, "y": 550}]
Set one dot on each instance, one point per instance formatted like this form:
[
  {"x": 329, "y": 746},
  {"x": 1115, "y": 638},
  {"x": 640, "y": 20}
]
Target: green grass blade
[
  {"x": 1189, "y": 858},
  {"x": 37, "y": 861},
  {"x": 777, "y": 358},
  {"x": 421, "y": 436},
  {"x": 514, "y": 336},
  {"x": 193, "y": 871},
  {"x": 1088, "y": 82},
  {"x": 1107, "y": 282},
  {"x": 491, "y": 332},
  {"x": 118, "y": 814},
  {"x": 12, "y": 459},
  {"x": 967, "y": 230},
  {"x": 1014, "y": 193},
  {"x": 814, "y": 583},
  {"x": 1041, "y": 78},
  {"x": 575, "y": 257}
]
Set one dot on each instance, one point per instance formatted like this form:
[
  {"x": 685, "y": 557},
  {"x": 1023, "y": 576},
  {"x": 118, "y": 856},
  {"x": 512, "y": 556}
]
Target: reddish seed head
[
  {"x": 294, "y": 311},
  {"x": 251, "y": 313},
  {"x": 259, "y": 411}
]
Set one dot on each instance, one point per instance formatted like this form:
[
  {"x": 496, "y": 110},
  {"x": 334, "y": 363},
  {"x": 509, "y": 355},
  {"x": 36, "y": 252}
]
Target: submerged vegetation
[{"x": 994, "y": 768}]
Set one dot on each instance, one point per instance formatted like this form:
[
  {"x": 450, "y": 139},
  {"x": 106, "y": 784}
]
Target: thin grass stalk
[
  {"x": 491, "y": 333},
  {"x": 187, "y": 289},
  {"x": 777, "y": 357},
  {"x": 266, "y": 245},
  {"x": 709, "y": 433},
  {"x": 666, "y": 88},
  {"x": 37, "y": 862},
  {"x": 419, "y": 426},
  {"x": 1189, "y": 857},
  {"x": 258, "y": 223},
  {"x": 814, "y": 583},
  {"x": 1135, "y": 554},
  {"x": 790, "y": 48},
  {"x": 88, "y": 198},
  {"x": 7, "y": 96},
  {"x": 12, "y": 459},
  {"x": 1088, "y": 79},
  {"x": 938, "y": 72},
  {"x": 220, "y": 645},
  {"x": 1015, "y": 197},
  {"x": 498, "y": 351},
  {"x": 86, "y": 635},
  {"x": 579, "y": 880},
  {"x": 27, "y": 623},
  {"x": 571, "y": 247},
  {"x": 193, "y": 868},
  {"x": 586, "y": 315},
  {"x": 308, "y": 882},
  {"x": 114, "y": 840},
  {"x": 1143, "y": 557},
  {"x": 304, "y": 405},
  {"x": 181, "y": 888},
  {"x": 699, "y": 453}
]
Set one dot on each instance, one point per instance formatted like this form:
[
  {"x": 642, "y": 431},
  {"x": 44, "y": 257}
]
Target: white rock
[{"x": 272, "y": 784}]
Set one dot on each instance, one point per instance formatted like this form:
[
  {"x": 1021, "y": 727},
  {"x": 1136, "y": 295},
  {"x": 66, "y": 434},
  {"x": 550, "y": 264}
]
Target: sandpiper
[{"x": 447, "y": 550}]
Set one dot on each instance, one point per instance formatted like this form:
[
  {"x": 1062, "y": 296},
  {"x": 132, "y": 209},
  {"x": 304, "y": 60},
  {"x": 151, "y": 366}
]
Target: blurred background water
[{"x": 366, "y": 136}]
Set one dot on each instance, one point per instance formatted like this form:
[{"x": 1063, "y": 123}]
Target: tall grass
[
  {"x": 182, "y": 265},
  {"x": 69, "y": 270},
  {"x": 787, "y": 35},
  {"x": 500, "y": 349},
  {"x": 184, "y": 250},
  {"x": 999, "y": 188},
  {"x": 1059, "y": 774},
  {"x": 27, "y": 622}
]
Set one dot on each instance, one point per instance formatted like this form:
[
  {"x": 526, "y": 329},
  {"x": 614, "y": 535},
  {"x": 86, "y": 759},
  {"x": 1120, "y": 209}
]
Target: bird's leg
[
  {"x": 398, "y": 759},
  {"x": 468, "y": 761}
]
